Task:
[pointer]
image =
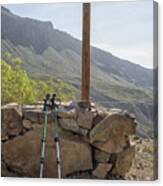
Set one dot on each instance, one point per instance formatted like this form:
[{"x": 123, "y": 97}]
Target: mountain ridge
[
  {"x": 54, "y": 52},
  {"x": 48, "y": 41}
]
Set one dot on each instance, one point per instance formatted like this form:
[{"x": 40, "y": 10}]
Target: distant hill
[{"x": 48, "y": 52}]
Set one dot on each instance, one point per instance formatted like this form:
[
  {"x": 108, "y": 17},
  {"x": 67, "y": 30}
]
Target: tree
[{"x": 16, "y": 85}]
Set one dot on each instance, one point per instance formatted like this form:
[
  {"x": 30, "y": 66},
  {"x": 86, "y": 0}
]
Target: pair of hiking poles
[{"x": 50, "y": 104}]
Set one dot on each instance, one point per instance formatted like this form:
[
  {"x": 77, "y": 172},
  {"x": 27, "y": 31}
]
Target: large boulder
[
  {"x": 11, "y": 121},
  {"x": 22, "y": 154},
  {"x": 110, "y": 135}
]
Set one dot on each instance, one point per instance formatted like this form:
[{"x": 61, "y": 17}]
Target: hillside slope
[{"x": 49, "y": 52}]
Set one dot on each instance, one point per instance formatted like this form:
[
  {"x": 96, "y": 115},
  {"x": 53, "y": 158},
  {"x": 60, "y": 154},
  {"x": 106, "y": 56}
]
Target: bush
[{"x": 18, "y": 87}]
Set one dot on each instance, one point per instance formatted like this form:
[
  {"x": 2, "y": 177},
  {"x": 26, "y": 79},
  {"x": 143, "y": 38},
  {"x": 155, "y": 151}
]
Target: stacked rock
[{"x": 93, "y": 140}]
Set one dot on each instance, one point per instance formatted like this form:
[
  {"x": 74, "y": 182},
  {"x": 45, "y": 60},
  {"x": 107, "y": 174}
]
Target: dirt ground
[{"x": 144, "y": 166}]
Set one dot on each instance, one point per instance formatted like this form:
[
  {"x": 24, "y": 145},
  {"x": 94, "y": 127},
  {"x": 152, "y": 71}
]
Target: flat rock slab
[
  {"x": 71, "y": 125},
  {"x": 110, "y": 135},
  {"x": 71, "y": 114},
  {"x": 37, "y": 115},
  {"x": 11, "y": 121},
  {"x": 22, "y": 155},
  {"x": 102, "y": 169},
  {"x": 115, "y": 110}
]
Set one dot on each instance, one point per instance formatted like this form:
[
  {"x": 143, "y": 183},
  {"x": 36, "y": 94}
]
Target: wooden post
[{"x": 86, "y": 53}]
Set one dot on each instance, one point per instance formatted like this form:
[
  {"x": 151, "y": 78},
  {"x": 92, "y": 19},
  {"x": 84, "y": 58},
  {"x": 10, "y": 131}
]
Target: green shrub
[{"x": 18, "y": 87}]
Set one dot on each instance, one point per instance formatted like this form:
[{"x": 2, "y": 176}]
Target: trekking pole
[
  {"x": 44, "y": 134},
  {"x": 56, "y": 134}
]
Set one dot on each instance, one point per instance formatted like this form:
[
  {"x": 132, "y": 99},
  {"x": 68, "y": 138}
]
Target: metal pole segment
[
  {"x": 86, "y": 53},
  {"x": 56, "y": 139},
  {"x": 54, "y": 108},
  {"x": 43, "y": 140}
]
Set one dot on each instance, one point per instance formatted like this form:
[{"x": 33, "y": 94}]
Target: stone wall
[{"x": 94, "y": 142}]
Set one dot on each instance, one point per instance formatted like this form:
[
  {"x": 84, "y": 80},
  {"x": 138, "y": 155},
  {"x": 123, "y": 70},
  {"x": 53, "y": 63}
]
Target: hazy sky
[{"x": 123, "y": 28}]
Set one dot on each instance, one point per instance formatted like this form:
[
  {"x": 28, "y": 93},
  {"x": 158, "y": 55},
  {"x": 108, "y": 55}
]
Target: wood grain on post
[{"x": 86, "y": 53}]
